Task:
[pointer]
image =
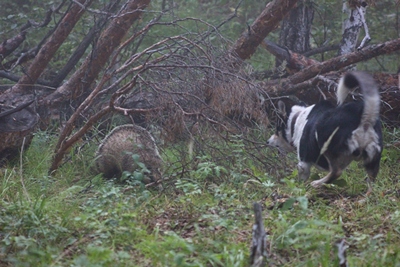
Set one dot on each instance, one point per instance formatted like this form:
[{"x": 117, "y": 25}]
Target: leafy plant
[
  {"x": 206, "y": 168},
  {"x": 189, "y": 187},
  {"x": 139, "y": 174}
]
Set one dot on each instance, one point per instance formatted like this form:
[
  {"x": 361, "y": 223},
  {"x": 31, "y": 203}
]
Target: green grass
[{"x": 202, "y": 217}]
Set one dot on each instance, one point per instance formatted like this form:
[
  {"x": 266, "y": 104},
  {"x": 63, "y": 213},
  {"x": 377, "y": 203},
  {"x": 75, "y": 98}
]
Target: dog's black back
[
  {"x": 322, "y": 121},
  {"x": 331, "y": 136}
]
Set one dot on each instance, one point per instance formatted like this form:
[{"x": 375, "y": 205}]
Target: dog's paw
[{"x": 316, "y": 183}]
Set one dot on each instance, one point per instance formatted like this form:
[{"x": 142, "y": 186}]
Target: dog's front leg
[{"x": 303, "y": 170}]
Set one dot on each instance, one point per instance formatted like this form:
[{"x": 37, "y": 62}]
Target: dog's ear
[{"x": 282, "y": 108}]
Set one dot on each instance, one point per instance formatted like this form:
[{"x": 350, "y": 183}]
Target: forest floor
[{"x": 201, "y": 217}]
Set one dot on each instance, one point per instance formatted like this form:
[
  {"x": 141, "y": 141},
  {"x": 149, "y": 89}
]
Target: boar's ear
[{"x": 282, "y": 108}]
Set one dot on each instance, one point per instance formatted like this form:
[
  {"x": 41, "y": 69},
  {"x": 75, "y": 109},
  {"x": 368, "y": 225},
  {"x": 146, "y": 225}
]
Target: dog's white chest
[{"x": 297, "y": 122}]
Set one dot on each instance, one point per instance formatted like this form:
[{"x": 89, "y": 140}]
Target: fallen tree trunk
[
  {"x": 301, "y": 79},
  {"x": 324, "y": 87},
  {"x": 294, "y": 61},
  {"x": 319, "y": 80}
]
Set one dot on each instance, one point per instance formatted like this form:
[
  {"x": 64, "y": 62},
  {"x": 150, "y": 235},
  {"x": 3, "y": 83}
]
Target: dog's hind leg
[
  {"x": 335, "y": 170},
  {"x": 372, "y": 168},
  {"x": 332, "y": 175}
]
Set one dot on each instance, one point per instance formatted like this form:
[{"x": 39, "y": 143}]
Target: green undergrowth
[{"x": 202, "y": 215}]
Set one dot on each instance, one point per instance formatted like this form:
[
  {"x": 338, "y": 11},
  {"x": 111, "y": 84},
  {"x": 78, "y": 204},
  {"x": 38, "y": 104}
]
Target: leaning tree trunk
[
  {"x": 46, "y": 53},
  {"x": 14, "y": 137},
  {"x": 302, "y": 79},
  {"x": 82, "y": 79},
  {"x": 265, "y": 23},
  {"x": 243, "y": 49},
  {"x": 109, "y": 40}
]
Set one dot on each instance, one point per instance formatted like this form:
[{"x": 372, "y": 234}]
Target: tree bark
[
  {"x": 258, "y": 250},
  {"x": 295, "y": 82},
  {"x": 16, "y": 123},
  {"x": 82, "y": 79},
  {"x": 352, "y": 25},
  {"x": 110, "y": 38},
  {"x": 46, "y": 53},
  {"x": 87, "y": 40},
  {"x": 13, "y": 137},
  {"x": 296, "y": 28},
  {"x": 268, "y": 20}
]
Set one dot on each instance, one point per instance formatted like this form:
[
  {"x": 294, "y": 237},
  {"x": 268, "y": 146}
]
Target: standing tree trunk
[
  {"x": 352, "y": 25},
  {"x": 296, "y": 27},
  {"x": 295, "y": 30}
]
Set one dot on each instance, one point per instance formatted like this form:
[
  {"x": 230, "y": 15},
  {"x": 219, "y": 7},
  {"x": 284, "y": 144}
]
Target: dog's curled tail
[{"x": 369, "y": 90}]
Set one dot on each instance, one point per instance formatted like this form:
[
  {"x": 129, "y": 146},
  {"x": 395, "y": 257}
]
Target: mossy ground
[{"x": 202, "y": 217}]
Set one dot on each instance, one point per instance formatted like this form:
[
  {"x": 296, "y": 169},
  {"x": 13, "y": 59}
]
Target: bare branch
[
  {"x": 45, "y": 22},
  {"x": 321, "y": 49},
  {"x": 99, "y": 12},
  {"x": 16, "y": 109},
  {"x": 8, "y": 46},
  {"x": 367, "y": 37}
]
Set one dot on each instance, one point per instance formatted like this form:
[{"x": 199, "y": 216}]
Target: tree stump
[
  {"x": 258, "y": 251},
  {"x": 16, "y": 128}
]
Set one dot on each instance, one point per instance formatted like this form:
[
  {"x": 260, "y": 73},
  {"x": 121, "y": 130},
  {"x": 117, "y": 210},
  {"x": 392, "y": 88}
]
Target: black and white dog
[{"x": 330, "y": 136}]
